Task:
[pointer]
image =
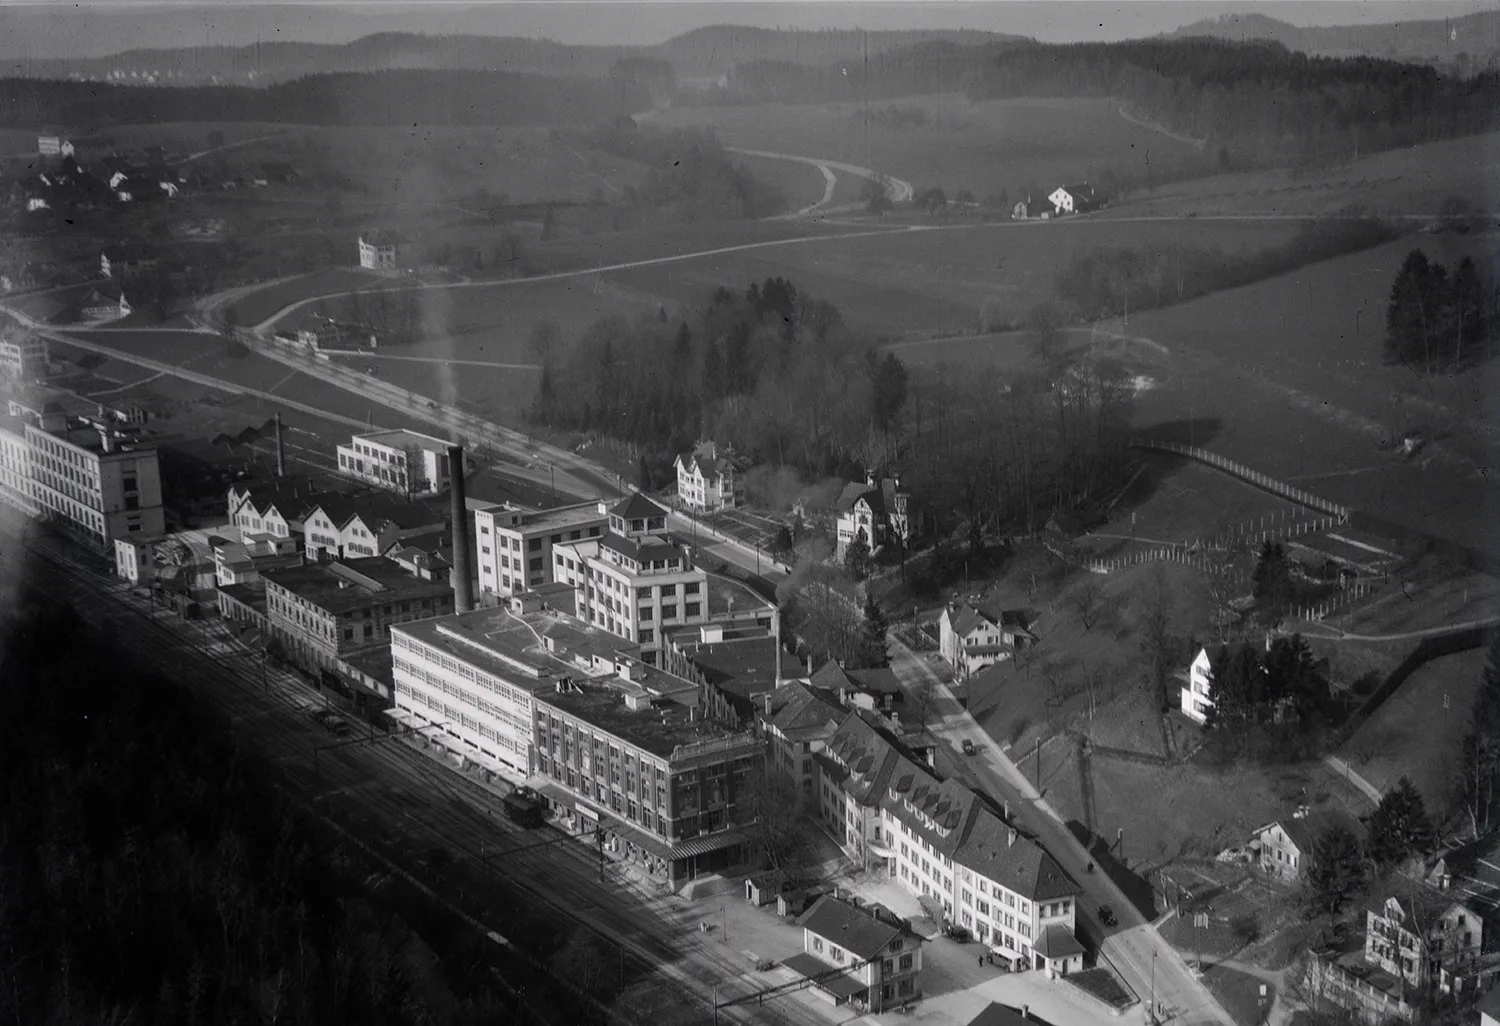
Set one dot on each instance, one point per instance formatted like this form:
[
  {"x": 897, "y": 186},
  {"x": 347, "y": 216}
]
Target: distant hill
[
  {"x": 703, "y": 53},
  {"x": 1466, "y": 44}
]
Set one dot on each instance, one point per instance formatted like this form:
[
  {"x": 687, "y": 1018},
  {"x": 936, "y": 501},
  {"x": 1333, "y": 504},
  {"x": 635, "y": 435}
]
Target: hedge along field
[
  {"x": 938, "y": 281},
  {"x": 946, "y": 140},
  {"x": 1286, "y": 376}
]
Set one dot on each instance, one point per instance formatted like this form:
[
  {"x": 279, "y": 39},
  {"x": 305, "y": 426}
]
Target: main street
[
  {"x": 398, "y": 800},
  {"x": 1136, "y": 950}
]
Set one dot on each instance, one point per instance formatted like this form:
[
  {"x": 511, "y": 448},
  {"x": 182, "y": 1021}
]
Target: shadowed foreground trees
[{"x": 147, "y": 876}]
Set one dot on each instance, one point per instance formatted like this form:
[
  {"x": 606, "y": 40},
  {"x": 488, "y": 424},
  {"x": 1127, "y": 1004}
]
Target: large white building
[
  {"x": 941, "y": 840},
  {"x": 634, "y": 581},
  {"x": 1196, "y": 694},
  {"x": 96, "y": 485},
  {"x": 473, "y": 675},
  {"x": 515, "y": 545},
  {"x": 406, "y": 462}
]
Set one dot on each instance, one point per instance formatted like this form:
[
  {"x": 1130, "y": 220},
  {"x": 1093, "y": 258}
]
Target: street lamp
[{"x": 1153, "y": 985}]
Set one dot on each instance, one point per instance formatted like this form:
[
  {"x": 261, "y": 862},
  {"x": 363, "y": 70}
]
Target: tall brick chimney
[
  {"x": 280, "y": 450},
  {"x": 463, "y": 587}
]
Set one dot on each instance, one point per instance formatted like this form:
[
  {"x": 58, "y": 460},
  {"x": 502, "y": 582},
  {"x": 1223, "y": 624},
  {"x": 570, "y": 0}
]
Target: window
[
  {"x": 536, "y": 563},
  {"x": 667, "y": 612},
  {"x": 818, "y": 945},
  {"x": 690, "y": 588},
  {"x": 906, "y": 961},
  {"x": 691, "y": 609},
  {"x": 533, "y": 545}
]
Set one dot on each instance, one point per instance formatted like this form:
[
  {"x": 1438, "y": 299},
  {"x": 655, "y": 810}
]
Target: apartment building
[
  {"x": 406, "y": 462},
  {"x": 94, "y": 484},
  {"x": 471, "y": 677},
  {"x": 736, "y": 669},
  {"x": 941, "y": 840},
  {"x": 662, "y": 785},
  {"x": 798, "y": 720},
  {"x": 516, "y": 545},
  {"x": 326, "y": 614},
  {"x": 633, "y": 581},
  {"x": 879, "y": 952},
  {"x": 23, "y": 356}
]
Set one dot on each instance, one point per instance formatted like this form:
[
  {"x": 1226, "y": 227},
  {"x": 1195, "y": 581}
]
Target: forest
[
  {"x": 1259, "y": 100},
  {"x": 399, "y": 97},
  {"x": 1440, "y": 322},
  {"x": 779, "y": 376},
  {"x": 149, "y": 875}
]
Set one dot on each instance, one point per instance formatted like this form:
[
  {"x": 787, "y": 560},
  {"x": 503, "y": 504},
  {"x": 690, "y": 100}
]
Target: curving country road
[{"x": 896, "y": 189}]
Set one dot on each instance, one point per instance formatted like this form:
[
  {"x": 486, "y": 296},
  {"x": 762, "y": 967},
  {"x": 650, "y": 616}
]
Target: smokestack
[
  {"x": 280, "y": 450},
  {"x": 463, "y": 588}
]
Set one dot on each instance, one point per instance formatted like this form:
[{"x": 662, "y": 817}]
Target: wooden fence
[{"x": 1250, "y": 476}]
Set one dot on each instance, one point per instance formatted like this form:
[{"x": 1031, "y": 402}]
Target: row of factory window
[{"x": 455, "y": 666}]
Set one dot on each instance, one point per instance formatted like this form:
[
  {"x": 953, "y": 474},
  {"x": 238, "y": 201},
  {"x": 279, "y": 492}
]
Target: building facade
[
  {"x": 515, "y": 545},
  {"x": 633, "y": 581},
  {"x": 879, "y": 952},
  {"x": 381, "y": 251},
  {"x": 325, "y": 614},
  {"x": 1196, "y": 696},
  {"x": 405, "y": 462},
  {"x": 710, "y": 479},
  {"x": 664, "y": 786},
  {"x": 468, "y": 679},
  {"x": 23, "y": 356},
  {"x": 95, "y": 485},
  {"x": 880, "y": 512},
  {"x": 971, "y": 638}
]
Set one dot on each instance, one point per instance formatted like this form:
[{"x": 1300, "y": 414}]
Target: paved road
[{"x": 1137, "y": 951}]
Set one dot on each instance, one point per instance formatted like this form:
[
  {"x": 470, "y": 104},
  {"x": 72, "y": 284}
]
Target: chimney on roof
[
  {"x": 463, "y": 588},
  {"x": 766, "y": 702},
  {"x": 280, "y": 450},
  {"x": 870, "y": 478},
  {"x": 1007, "y": 811},
  {"x": 778, "y": 664},
  {"x": 1012, "y": 840},
  {"x": 1026, "y": 1012},
  {"x": 106, "y": 439}
]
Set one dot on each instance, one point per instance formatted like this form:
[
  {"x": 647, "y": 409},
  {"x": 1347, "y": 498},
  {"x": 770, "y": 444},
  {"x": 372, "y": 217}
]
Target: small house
[
  {"x": 1285, "y": 845},
  {"x": 971, "y": 637}
]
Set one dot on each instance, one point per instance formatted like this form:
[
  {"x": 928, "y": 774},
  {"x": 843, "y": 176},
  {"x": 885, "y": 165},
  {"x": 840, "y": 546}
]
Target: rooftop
[
  {"x": 745, "y": 666},
  {"x": 860, "y": 930},
  {"x": 401, "y": 438},
  {"x": 349, "y": 584},
  {"x": 637, "y": 507},
  {"x": 382, "y": 237},
  {"x": 560, "y": 518},
  {"x": 524, "y": 648},
  {"x": 661, "y": 727}
]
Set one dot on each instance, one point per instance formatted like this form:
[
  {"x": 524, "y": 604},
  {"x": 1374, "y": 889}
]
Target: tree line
[
  {"x": 1258, "y": 99},
  {"x": 394, "y": 97},
  {"x": 1116, "y": 280},
  {"x": 689, "y": 172},
  {"x": 1440, "y": 322}
]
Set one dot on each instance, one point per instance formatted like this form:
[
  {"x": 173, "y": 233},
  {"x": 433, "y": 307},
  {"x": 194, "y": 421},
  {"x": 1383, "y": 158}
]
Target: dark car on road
[
  {"x": 1107, "y": 915},
  {"x": 969, "y": 748}
]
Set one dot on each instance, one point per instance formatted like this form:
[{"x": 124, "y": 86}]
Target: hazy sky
[{"x": 52, "y": 29}]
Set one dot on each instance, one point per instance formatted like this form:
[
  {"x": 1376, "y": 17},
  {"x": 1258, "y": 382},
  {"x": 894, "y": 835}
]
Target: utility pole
[
  {"x": 1153, "y": 985},
  {"x": 1037, "y": 761}
]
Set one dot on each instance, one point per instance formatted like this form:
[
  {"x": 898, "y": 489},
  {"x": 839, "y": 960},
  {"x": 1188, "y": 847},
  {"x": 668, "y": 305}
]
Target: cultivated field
[
  {"x": 1416, "y": 732},
  {"x": 801, "y": 184},
  {"x": 946, "y": 140}
]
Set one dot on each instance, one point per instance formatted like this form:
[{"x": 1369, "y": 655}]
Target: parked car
[
  {"x": 969, "y": 748},
  {"x": 958, "y": 933},
  {"x": 1107, "y": 915}
]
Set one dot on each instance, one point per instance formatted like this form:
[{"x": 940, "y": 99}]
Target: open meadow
[
  {"x": 1286, "y": 376},
  {"x": 1417, "y": 730},
  {"x": 946, "y": 140}
]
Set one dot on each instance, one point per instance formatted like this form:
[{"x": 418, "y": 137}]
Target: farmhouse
[
  {"x": 382, "y": 250},
  {"x": 877, "y": 512},
  {"x": 1285, "y": 845},
  {"x": 880, "y": 954},
  {"x": 104, "y": 303},
  {"x": 972, "y": 637},
  {"x": 1031, "y": 210},
  {"x": 1074, "y": 199},
  {"x": 709, "y": 478},
  {"x": 1425, "y": 937}
]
